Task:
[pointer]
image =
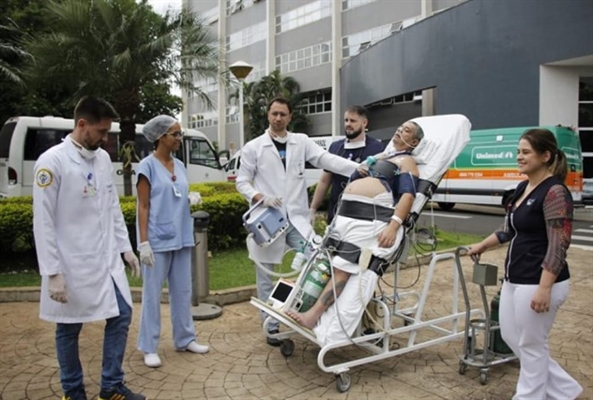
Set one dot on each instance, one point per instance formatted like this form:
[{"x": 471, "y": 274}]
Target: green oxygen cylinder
[
  {"x": 498, "y": 345},
  {"x": 314, "y": 282}
]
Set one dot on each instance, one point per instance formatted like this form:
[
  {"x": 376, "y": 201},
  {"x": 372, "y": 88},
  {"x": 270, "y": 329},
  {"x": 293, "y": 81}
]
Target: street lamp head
[{"x": 240, "y": 69}]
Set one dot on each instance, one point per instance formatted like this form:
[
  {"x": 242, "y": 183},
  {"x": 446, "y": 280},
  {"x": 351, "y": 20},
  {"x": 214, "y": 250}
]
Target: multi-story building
[
  {"x": 502, "y": 63},
  {"x": 309, "y": 40}
]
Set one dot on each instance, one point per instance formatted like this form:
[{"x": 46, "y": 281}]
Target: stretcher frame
[{"x": 379, "y": 343}]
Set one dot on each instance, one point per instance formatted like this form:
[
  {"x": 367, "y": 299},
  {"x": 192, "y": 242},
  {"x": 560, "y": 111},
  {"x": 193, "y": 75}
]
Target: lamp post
[{"x": 240, "y": 70}]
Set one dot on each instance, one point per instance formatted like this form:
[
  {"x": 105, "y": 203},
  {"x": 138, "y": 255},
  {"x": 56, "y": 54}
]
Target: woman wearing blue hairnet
[{"x": 165, "y": 237}]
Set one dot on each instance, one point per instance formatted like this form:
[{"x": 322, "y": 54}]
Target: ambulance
[{"x": 486, "y": 173}]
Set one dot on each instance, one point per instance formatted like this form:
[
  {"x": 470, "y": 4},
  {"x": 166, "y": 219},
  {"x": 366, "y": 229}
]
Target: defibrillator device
[{"x": 264, "y": 224}]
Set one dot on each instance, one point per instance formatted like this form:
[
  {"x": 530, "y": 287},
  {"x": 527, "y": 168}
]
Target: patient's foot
[{"x": 307, "y": 319}]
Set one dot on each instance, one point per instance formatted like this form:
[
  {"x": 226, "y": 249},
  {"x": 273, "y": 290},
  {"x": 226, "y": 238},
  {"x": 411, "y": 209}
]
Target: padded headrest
[{"x": 444, "y": 138}]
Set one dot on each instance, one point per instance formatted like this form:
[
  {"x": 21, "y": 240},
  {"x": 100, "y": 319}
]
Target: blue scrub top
[{"x": 170, "y": 226}]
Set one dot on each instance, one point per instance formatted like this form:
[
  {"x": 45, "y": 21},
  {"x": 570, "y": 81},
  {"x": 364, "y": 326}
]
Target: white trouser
[
  {"x": 340, "y": 320},
  {"x": 526, "y": 333}
]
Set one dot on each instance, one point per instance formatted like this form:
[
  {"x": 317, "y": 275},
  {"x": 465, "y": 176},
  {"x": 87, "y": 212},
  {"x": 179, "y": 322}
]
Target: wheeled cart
[{"x": 475, "y": 356}]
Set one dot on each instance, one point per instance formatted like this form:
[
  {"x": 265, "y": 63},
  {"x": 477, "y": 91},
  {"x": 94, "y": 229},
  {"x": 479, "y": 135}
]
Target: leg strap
[{"x": 351, "y": 252}]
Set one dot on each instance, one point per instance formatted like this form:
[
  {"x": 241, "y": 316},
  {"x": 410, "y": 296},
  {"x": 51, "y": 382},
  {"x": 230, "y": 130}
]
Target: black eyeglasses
[{"x": 177, "y": 134}]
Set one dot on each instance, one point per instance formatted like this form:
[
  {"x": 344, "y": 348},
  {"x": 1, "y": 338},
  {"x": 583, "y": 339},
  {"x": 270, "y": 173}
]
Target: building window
[
  {"x": 210, "y": 16},
  {"x": 204, "y": 120},
  {"x": 206, "y": 85},
  {"x": 586, "y": 124},
  {"x": 317, "y": 102},
  {"x": 233, "y": 6},
  {"x": 349, "y": 4},
  {"x": 232, "y": 115},
  {"x": 258, "y": 72},
  {"x": 247, "y": 36},
  {"x": 401, "y": 99},
  {"x": 355, "y": 43},
  {"x": 304, "y": 58},
  {"x": 303, "y": 15}
]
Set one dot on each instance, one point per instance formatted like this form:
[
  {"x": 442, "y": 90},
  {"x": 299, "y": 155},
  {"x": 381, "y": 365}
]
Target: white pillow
[{"x": 427, "y": 150}]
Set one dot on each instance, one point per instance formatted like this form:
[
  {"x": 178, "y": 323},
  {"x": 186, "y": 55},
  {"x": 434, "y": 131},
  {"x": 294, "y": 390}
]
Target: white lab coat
[
  {"x": 79, "y": 235},
  {"x": 262, "y": 172}
]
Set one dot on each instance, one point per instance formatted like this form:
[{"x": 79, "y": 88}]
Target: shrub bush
[
  {"x": 325, "y": 203},
  {"x": 16, "y": 226},
  {"x": 220, "y": 200}
]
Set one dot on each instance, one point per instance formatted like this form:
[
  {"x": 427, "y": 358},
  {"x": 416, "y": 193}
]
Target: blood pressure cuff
[{"x": 408, "y": 183}]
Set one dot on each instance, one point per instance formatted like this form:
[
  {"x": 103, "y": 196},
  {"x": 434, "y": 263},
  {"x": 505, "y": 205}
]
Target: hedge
[{"x": 220, "y": 200}]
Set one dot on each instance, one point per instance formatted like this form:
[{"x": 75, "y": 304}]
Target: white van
[
  {"x": 24, "y": 139},
  {"x": 312, "y": 174}
]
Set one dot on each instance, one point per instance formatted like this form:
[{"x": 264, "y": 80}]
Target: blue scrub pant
[
  {"x": 114, "y": 347},
  {"x": 175, "y": 267},
  {"x": 265, "y": 285}
]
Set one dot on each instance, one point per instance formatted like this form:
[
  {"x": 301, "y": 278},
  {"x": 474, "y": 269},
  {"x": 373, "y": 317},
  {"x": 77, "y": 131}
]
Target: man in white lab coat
[
  {"x": 80, "y": 235},
  {"x": 273, "y": 168}
]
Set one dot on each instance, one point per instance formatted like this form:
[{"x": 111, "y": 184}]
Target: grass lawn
[{"x": 233, "y": 268}]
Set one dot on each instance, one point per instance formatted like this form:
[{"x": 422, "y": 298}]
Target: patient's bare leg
[{"x": 326, "y": 299}]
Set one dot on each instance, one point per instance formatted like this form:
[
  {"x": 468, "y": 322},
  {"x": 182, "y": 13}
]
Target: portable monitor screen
[{"x": 280, "y": 293}]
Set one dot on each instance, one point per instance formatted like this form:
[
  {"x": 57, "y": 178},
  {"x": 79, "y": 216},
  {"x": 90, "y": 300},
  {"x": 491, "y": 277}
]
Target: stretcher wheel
[
  {"x": 343, "y": 382},
  {"x": 462, "y": 368},
  {"x": 287, "y": 348},
  {"x": 483, "y": 377}
]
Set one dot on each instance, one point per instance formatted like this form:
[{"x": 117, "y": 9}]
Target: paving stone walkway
[{"x": 241, "y": 366}]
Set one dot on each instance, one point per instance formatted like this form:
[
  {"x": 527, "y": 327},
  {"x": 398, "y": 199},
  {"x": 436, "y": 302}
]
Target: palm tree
[
  {"x": 10, "y": 52},
  {"x": 258, "y": 94},
  {"x": 112, "y": 48}
]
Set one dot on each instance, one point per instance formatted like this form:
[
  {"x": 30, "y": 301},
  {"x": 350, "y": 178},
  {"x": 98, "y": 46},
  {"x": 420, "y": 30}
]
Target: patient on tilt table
[{"x": 372, "y": 210}]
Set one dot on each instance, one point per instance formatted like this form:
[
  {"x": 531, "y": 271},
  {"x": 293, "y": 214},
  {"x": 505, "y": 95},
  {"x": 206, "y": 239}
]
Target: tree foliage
[
  {"x": 125, "y": 52},
  {"x": 47, "y": 96},
  {"x": 257, "y": 96}
]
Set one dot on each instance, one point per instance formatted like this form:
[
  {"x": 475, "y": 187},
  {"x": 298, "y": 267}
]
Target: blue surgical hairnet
[{"x": 157, "y": 127}]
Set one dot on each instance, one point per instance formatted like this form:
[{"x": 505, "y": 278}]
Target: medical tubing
[{"x": 289, "y": 274}]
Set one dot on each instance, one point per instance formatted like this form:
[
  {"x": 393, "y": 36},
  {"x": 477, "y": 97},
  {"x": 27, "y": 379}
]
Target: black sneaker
[
  {"x": 273, "y": 341},
  {"x": 120, "y": 393},
  {"x": 77, "y": 394}
]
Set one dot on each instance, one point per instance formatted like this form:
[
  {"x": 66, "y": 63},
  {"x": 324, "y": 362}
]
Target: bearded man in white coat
[
  {"x": 273, "y": 169},
  {"x": 80, "y": 235}
]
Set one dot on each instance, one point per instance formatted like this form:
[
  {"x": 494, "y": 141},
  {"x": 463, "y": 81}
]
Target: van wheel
[{"x": 446, "y": 206}]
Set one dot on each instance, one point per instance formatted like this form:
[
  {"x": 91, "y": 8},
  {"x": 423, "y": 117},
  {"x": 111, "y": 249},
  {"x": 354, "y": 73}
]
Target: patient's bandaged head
[{"x": 264, "y": 224}]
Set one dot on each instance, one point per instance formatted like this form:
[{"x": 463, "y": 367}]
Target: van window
[
  {"x": 142, "y": 146},
  {"x": 38, "y": 140},
  {"x": 112, "y": 147},
  {"x": 5, "y": 138},
  {"x": 201, "y": 153}
]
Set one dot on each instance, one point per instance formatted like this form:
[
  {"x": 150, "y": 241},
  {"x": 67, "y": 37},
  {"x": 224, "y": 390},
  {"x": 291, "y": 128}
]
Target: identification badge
[
  {"x": 89, "y": 191},
  {"x": 176, "y": 191}
]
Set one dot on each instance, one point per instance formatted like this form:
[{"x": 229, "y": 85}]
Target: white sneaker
[
  {"x": 194, "y": 347},
  {"x": 152, "y": 360}
]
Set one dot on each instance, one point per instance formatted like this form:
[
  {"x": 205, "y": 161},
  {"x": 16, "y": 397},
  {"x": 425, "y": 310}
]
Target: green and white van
[{"x": 486, "y": 170}]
